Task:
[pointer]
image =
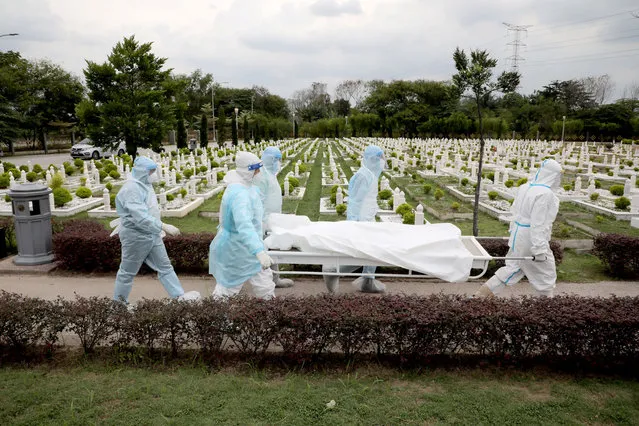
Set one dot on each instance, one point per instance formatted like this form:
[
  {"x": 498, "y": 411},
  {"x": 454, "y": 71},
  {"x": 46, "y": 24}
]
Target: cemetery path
[{"x": 50, "y": 286}]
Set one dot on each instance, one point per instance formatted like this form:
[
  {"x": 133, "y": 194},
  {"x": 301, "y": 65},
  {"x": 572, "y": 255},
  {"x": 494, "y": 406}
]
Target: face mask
[{"x": 153, "y": 178}]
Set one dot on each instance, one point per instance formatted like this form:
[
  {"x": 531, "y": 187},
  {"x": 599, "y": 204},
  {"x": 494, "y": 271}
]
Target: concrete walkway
[{"x": 52, "y": 285}]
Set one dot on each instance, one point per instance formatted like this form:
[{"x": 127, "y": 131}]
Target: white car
[{"x": 86, "y": 150}]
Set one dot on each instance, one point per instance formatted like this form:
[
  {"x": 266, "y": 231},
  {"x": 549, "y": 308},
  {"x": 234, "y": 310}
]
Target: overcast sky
[{"x": 286, "y": 45}]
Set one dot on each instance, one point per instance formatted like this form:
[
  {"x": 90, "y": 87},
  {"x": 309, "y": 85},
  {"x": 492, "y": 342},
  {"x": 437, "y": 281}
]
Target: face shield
[{"x": 153, "y": 177}]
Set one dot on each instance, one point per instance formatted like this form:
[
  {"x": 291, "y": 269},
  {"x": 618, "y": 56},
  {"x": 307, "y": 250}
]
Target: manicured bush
[
  {"x": 56, "y": 181},
  {"x": 594, "y": 196},
  {"x": 78, "y": 163},
  {"x": 303, "y": 168},
  {"x": 622, "y": 203},
  {"x": 5, "y": 180},
  {"x": 341, "y": 209},
  {"x": 293, "y": 182},
  {"x": 408, "y": 218},
  {"x": 438, "y": 194},
  {"x": 69, "y": 170},
  {"x": 522, "y": 181},
  {"x": 385, "y": 194},
  {"x": 567, "y": 187},
  {"x": 597, "y": 184},
  {"x": 402, "y": 330},
  {"x": 61, "y": 196},
  {"x": 427, "y": 188},
  {"x": 170, "y": 197},
  {"x": 493, "y": 195},
  {"x": 187, "y": 173},
  {"x": 509, "y": 183},
  {"x": 85, "y": 246},
  {"x": 619, "y": 253},
  {"x": 114, "y": 174},
  {"x": 103, "y": 175},
  {"x": 455, "y": 206},
  {"x": 83, "y": 192},
  {"x": 220, "y": 176},
  {"x": 403, "y": 209},
  {"x": 617, "y": 190},
  {"x": 464, "y": 181},
  {"x": 109, "y": 186},
  {"x": 37, "y": 168}
]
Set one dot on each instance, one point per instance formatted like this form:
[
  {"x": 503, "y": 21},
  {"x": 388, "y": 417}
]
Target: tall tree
[
  {"x": 181, "y": 128},
  {"x": 13, "y": 81},
  {"x": 204, "y": 131},
  {"x": 129, "y": 98},
  {"x": 600, "y": 88},
  {"x": 221, "y": 126},
  {"x": 234, "y": 129},
  {"x": 475, "y": 76},
  {"x": 245, "y": 129}
]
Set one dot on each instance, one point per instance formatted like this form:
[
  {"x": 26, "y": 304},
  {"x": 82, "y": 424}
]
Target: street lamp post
[
  {"x": 213, "y": 107},
  {"x": 563, "y": 128}
]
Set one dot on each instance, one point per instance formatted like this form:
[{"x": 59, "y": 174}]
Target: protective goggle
[{"x": 255, "y": 166}]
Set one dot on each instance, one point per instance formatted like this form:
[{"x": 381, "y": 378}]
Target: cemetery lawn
[{"x": 94, "y": 393}]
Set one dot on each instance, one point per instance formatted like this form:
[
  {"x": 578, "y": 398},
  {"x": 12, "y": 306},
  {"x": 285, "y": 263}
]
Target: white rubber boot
[{"x": 369, "y": 285}]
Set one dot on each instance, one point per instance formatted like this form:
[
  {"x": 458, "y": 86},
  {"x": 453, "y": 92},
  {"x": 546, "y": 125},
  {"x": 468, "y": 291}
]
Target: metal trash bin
[{"x": 32, "y": 219}]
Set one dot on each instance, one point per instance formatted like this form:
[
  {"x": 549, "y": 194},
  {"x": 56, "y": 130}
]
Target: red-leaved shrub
[{"x": 620, "y": 254}]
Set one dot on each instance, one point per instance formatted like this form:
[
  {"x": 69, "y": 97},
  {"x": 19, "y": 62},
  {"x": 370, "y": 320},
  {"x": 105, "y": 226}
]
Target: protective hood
[
  {"x": 549, "y": 174},
  {"x": 245, "y": 165},
  {"x": 141, "y": 168},
  {"x": 374, "y": 159},
  {"x": 272, "y": 158}
]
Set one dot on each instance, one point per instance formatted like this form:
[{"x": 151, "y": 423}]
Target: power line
[
  {"x": 563, "y": 46},
  {"x": 516, "y": 43},
  {"x": 585, "y": 21}
]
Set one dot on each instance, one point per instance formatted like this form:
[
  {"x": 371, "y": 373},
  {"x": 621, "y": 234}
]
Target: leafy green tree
[
  {"x": 204, "y": 131},
  {"x": 295, "y": 129},
  {"x": 129, "y": 98},
  {"x": 13, "y": 81},
  {"x": 475, "y": 76}
]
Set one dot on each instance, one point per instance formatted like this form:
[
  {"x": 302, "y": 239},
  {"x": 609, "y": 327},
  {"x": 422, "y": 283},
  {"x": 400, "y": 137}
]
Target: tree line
[{"x": 134, "y": 97}]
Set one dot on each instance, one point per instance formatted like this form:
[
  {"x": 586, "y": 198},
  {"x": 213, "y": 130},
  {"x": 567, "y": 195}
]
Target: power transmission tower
[{"x": 516, "y": 43}]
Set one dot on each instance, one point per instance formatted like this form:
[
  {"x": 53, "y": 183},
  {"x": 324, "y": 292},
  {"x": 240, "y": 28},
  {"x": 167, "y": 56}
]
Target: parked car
[{"x": 86, "y": 150}]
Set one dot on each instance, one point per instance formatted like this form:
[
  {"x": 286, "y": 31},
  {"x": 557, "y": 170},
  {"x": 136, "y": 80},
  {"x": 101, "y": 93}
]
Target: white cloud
[{"x": 285, "y": 45}]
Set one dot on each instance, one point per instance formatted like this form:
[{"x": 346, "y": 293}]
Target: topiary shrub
[
  {"x": 61, "y": 196},
  {"x": 170, "y": 197},
  {"x": 37, "y": 168},
  {"x": 619, "y": 253},
  {"x": 408, "y": 218},
  {"x": 112, "y": 200},
  {"x": 341, "y": 209},
  {"x": 455, "y": 206},
  {"x": 114, "y": 174},
  {"x": 294, "y": 182},
  {"x": 522, "y": 181},
  {"x": 509, "y": 183},
  {"x": 439, "y": 194},
  {"x": 188, "y": 173},
  {"x": 385, "y": 194},
  {"x": 597, "y": 184},
  {"x": 594, "y": 196},
  {"x": 56, "y": 181},
  {"x": 567, "y": 187},
  {"x": 464, "y": 182},
  {"x": 493, "y": 195},
  {"x": 83, "y": 192},
  {"x": 427, "y": 189},
  {"x": 617, "y": 190},
  {"x": 403, "y": 209},
  {"x": 7, "y": 198},
  {"x": 103, "y": 175},
  {"x": 220, "y": 176},
  {"x": 78, "y": 163},
  {"x": 5, "y": 180},
  {"x": 69, "y": 170},
  {"x": 622, "y": 203}
]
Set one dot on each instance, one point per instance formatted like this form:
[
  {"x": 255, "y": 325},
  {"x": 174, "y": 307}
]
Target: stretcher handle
[{"x": 514, "y": 258}]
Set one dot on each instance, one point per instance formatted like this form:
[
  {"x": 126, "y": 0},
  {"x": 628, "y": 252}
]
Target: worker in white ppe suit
[
  {"x": 237, "y": 253},
  {"x": 362, "y": 207},
  {"x": 271, "y": 195},
  {"x": 534, "y": 211},
  {"x": 141, "y": 231}
]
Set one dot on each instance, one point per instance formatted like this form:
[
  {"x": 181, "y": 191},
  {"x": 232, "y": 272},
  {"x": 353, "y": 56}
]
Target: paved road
[{"x": 52, "y": 285}]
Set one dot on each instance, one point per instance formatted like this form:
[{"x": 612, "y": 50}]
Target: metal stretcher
[{"x": 481, "y": 258}]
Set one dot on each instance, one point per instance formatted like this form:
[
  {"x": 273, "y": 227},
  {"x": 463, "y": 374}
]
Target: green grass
[
  {"x": 194, "y": 396},
  {"x": 581, "y": 268},
  {"x": 596, "y": 221},
  {"x": 309, "y": 205}
]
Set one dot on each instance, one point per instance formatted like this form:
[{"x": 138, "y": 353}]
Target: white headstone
[
  {"x": 287, "y": 186},
  {"x": 578, "y": 185},
  {"x": 23, "y": 176},
  {"x": 627, "y": 188},
  {"x": 339, "y": 197},
  {"x": 51, "y": 201},
  {"x": 419, "y": 215},
  {"x": 106, "y": 200}
]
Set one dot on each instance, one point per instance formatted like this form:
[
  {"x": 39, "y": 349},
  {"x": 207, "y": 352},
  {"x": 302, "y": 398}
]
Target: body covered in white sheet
[{"x": 434, "y": 249}]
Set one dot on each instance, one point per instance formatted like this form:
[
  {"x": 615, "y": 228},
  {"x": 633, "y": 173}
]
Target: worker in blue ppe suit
[
  {"x": 237, "y": 253},
  {"x": 140, "y": 231},
  {"x": 271, "y": 195},
  {"x": 534, "y": 211},
  {"x": 362, "y": 207}
]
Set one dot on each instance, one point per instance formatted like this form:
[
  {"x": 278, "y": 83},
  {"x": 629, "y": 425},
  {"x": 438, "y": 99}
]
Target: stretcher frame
[{"x": 333, "y": 261}]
